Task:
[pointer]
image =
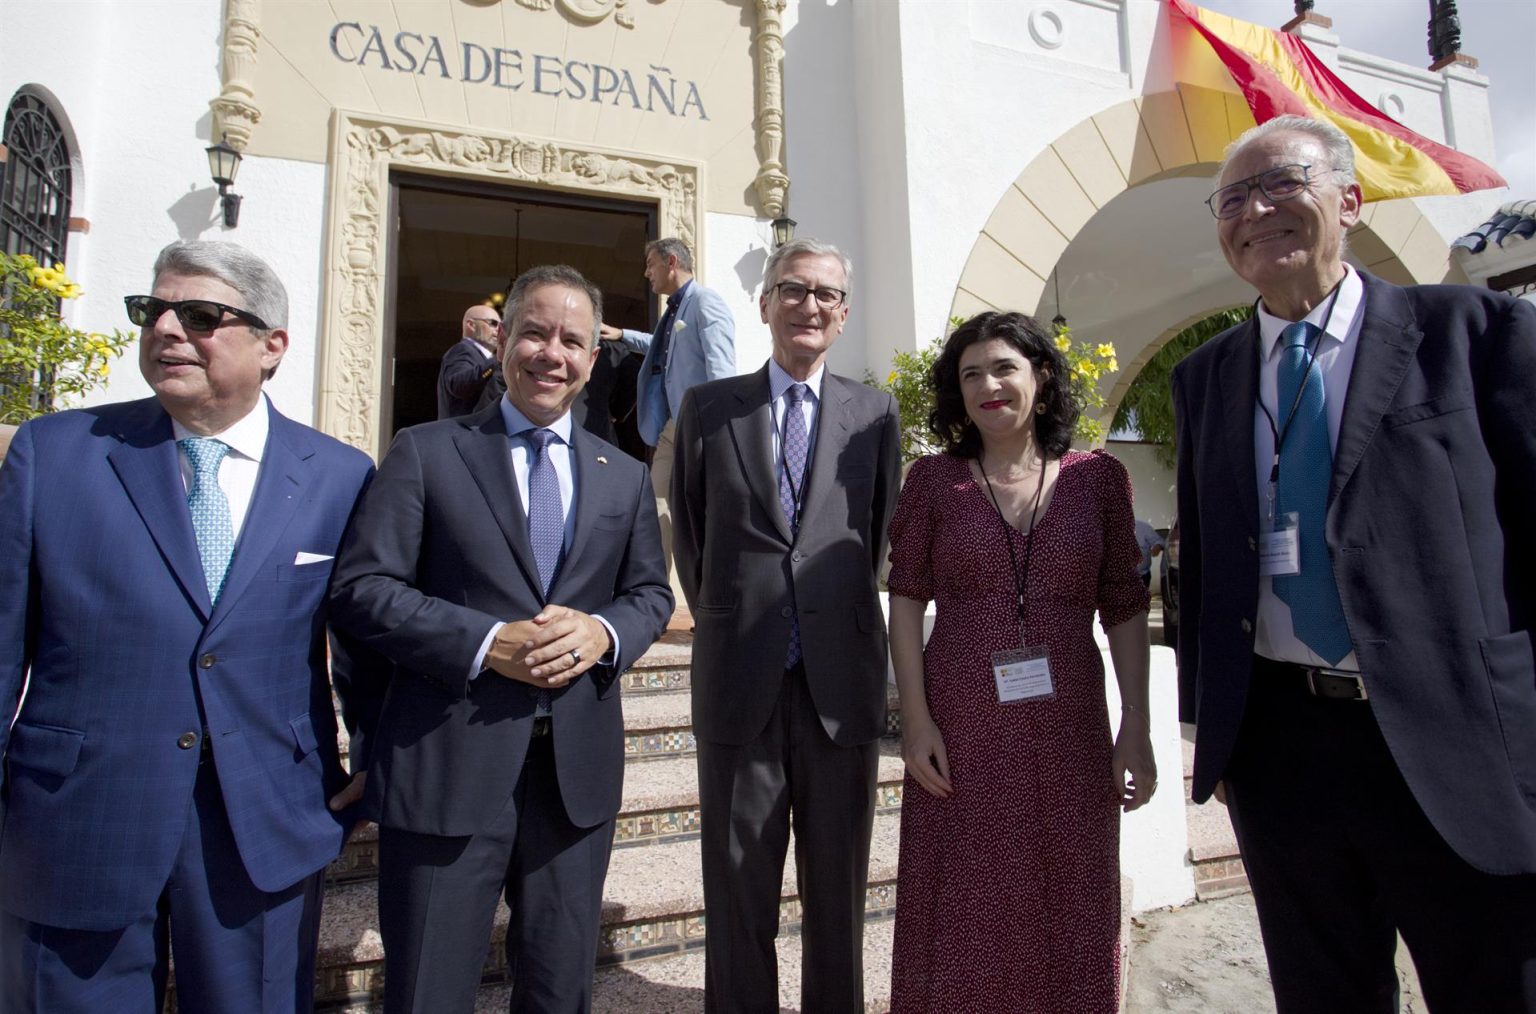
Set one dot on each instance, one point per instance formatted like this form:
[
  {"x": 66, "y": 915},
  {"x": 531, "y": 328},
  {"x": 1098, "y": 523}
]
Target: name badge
[
  {"x": 1280, "y": 547},
  {"x": 1022, "y": 674}
]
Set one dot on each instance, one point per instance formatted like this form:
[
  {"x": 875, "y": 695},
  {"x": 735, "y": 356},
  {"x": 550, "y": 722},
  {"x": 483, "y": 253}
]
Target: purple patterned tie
[
  {"x": 546, "y": 522},
  {"x": 792, "y": 488}
]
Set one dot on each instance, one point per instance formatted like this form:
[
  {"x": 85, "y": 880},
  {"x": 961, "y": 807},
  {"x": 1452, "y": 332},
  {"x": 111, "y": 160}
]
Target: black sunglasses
[{"x": 194, "y": 314}]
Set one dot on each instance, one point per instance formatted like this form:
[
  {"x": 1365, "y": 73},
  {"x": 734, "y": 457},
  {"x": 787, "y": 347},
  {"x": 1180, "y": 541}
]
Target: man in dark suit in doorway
[
  {"x": 508, "y": 563},
  {"x": 1357, "y": 466},
  {"x": 469, "y": 364},
  {"x": 783, "y": 485}
]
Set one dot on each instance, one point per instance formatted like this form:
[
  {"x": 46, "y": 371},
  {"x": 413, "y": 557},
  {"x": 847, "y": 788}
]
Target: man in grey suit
[
  {"x": 695, "y": 341},
  {"x": 782, "y": 488}
]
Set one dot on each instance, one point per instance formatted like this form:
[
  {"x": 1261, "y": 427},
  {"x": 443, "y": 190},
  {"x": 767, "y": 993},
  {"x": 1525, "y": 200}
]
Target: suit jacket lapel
[
  {"x": 833, "y": 422},
  {"x": 1238, "y": 375},
  {"x": 752, "y": 431},
  {"x": 483, "y": 444},
  {"x": 280, "y": 487},
  {"x": 1389, "y": 340},
  {"x": 150, "y": 471}
]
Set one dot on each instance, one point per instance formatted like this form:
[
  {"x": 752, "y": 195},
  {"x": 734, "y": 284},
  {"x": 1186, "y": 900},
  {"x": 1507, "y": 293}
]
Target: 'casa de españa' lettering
[{"x": 655, "y": 91}]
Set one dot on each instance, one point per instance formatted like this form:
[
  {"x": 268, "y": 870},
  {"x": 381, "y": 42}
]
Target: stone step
[
  {"x": 1213, "y": 851},
  {"x": 661, "y": 802},
  {"x": 653, "y": 906}
]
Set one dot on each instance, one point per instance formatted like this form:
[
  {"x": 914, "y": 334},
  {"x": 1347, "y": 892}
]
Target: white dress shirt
[
  {"x": 522, "y": 460},
  {"x": 238, "y": 471},
  {"x": 1335, "y": 357}
]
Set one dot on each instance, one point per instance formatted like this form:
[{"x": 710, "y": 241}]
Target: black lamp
[
  {"x": 223, "y": 165},
  {"x": 783, "y": 231}
]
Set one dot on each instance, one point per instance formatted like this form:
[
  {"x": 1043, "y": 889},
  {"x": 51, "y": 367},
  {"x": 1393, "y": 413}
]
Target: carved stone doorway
[
  {"x": 367, "y": 152},
  {"x": 455, "y": 243}
]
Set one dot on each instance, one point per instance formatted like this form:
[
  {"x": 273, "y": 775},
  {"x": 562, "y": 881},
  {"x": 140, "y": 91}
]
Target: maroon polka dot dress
[{"x": 1008, "y": 892}]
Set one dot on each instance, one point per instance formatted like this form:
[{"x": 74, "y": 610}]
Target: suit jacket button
[
  {"x": 1253, "y": 544},
  {"x": 1247, "y": 627},
  {"x": 796, "y": 556},
  {"x": 786, "y": 612},
  {"x": 187, "y": 740},
  {"x": 206, "y": 661}
]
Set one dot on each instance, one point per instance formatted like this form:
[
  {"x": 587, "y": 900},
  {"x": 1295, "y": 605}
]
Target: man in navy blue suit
[
  {"x": 508, "y": 563},
  {"x": 168, "y": 774},
  {"x": 1357, "y": 466}
]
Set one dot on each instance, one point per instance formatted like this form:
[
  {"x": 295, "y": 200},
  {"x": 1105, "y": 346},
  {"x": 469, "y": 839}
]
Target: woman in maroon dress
[{"x": 1008, "y": 893}]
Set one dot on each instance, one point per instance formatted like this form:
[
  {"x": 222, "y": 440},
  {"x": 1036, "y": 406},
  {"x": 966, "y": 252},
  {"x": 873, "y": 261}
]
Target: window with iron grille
[
  {"x": 35, "y": 187},
  {"x": 35, "y": 182}
]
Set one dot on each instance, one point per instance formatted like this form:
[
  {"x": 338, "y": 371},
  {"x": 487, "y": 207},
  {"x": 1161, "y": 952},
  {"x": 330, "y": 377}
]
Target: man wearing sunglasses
[
  {"x": 1356, "y": 470},
  {"x": 468, "y": 366},
  {"x": 169, "y": 772}
]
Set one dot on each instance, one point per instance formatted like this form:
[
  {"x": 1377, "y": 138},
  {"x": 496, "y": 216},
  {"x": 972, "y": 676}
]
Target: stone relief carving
[
  {"x": 589, "y": 11},
  {"x": 235, "y": 113},
  {"x": 366, "y": 147}
]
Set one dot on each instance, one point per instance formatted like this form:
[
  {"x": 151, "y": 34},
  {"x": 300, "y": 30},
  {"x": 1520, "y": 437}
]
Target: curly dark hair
[{"x": 950, "y": 423}]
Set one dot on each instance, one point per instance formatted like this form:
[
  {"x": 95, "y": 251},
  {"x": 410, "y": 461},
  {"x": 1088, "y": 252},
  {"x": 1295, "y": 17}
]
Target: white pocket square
[{"x": 303, "y": 558}]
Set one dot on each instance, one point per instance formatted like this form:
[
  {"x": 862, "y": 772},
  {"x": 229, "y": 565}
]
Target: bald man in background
[{"x": 468, "y": 364}]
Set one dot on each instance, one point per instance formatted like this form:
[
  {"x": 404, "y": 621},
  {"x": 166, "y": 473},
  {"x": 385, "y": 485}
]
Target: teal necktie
[
  {"x": 1306, "y": 469},
  {"x": 210, "y": 510}
]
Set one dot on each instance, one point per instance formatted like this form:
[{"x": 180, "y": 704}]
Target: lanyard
[
  {"x": 1021, "y": 581},
  {"x": 1279, "y": 434}
]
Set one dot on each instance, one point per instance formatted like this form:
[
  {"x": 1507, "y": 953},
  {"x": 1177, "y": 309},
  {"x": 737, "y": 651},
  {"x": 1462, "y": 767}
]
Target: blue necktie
[
  {"x": 1306, "y": 469},
  {"x": 546, "y": 523},
  {"x": 211, "y": 522},
  {"x": 792, "y": 487}
]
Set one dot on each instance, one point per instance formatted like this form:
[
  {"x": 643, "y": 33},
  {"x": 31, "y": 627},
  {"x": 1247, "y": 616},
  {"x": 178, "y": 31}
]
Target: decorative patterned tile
[{"x": 665, "y": 743}]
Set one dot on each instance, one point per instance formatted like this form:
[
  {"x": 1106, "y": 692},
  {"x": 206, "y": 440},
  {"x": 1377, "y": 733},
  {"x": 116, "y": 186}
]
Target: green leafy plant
[
  {"x": 909, "y": 383},
  {"x": 1148, "y": 404},
  {"x": 44, "y": 362}
]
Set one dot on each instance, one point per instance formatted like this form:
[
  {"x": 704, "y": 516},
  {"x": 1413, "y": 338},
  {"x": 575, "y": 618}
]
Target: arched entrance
[{"x": 1113, "y": 206}]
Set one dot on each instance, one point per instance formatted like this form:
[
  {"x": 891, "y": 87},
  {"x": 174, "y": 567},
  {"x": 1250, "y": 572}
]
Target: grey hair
[
  {"x": 235, "y": 266},
  {"x": 1335, "y": 143},
  {"x": 552, "y": 274},
  {"x": 808, "y": 247},
  {"x": 671, "y": 246}
]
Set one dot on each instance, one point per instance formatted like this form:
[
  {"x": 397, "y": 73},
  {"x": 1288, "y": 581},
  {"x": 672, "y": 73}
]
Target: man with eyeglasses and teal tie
[
  {"x": 172, "y": 779},
  {"x": 694, "y": 342},
  {"x": 784, "y": 482},
  {"x": 1357, "y": 466}
]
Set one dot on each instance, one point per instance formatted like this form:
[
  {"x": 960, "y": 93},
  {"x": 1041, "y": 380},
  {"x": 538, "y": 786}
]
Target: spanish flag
[{"x": 1278, "y": 74}]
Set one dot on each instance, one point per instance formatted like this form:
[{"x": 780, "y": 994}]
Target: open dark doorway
[{"x": 459, "y": 243}]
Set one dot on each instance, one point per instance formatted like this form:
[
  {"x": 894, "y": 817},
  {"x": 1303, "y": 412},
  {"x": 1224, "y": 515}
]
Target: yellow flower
[
  {"x": 104, "y": 369},
  {"x": 1113, "y": 364},
  {"x": 1105, "y": 349},
  {"x": 1063, "y": 342},
  {"x": 892, "y": 378}
]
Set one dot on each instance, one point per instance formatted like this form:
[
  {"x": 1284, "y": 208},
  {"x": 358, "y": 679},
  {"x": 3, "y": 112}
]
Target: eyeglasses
[
  {"x": 793, "y": 294},
  {"x": 1281, "y": 183},
  {"x": 194, "y": 314}
]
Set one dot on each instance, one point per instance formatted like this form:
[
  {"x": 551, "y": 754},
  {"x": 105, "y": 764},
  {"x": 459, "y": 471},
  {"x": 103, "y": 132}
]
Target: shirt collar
[
  {"x": 517, "y": 423},
  {"x": 489, "y": 354},
  {"x": 676, "y": 299},
  {"x": 779, "y": 381},
  {"x": 1346, "y": 306},
  {"x": 247, "y": 437}
]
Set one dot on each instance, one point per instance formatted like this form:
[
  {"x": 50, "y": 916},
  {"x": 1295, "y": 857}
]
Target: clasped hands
[{"x": 549, "y": 650}]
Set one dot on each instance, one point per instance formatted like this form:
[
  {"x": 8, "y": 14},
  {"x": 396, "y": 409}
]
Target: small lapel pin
[{"x": 602, "y": 460}]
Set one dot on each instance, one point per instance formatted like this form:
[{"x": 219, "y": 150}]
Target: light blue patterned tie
[
  {"x": 792, "y": 487},
  {"x": 546, "y": 522},
  {"x": 1306, "y": 469},
  {"x": 211, "y": 522}
]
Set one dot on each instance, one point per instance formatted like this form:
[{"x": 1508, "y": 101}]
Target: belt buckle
[{"x": 1352, "y": 678}]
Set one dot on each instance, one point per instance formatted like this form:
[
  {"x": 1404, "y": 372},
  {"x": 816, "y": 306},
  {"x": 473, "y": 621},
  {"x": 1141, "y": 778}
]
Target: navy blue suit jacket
[
  {"x": 439, "y": 554},
  {"x": 104, "y": 601},
  {"x": 1433, "y": 548}
]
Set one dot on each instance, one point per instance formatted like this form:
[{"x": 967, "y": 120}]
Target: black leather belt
[
  {"x": 1329, "y": 684},
  {"x": 542, "y": 726}
]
